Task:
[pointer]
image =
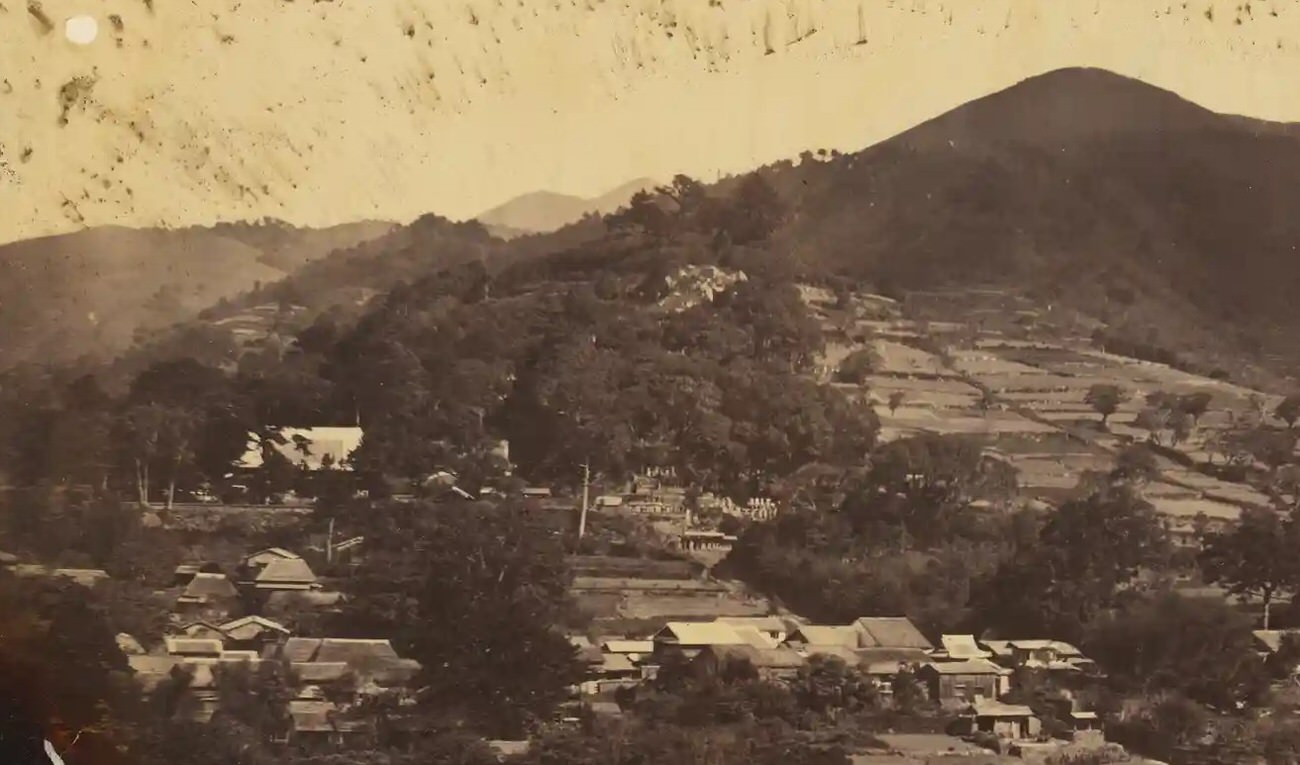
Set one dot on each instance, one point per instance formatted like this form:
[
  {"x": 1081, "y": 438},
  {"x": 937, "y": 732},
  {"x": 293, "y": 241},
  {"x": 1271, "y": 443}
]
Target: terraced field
[{"x": 1026, "y": 398}]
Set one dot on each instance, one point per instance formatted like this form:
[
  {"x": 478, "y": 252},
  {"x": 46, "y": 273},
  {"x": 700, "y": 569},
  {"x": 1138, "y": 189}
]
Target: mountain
[
  {"x": 1081, "y": 187},
  {"x": 544, "y": 211},
  {"x": 90, "y": 292},
  {"x": 1163, "y": 221}
]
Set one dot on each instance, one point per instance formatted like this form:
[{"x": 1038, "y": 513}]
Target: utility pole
[
  {"x": 586, "y": 491},
  {"x": 329, "y": 544}
]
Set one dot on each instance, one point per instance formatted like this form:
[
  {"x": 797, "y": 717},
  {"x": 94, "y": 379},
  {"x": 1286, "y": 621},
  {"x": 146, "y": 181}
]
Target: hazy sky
[{"x": 331, "y": 111}]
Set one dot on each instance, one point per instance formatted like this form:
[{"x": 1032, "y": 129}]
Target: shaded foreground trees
[
  {"x": 1255, "y": 558},
  {"x": 473, "y": 592},
  {"x": 1086, "y": 559},
  {"x": 908, "y": 537}
]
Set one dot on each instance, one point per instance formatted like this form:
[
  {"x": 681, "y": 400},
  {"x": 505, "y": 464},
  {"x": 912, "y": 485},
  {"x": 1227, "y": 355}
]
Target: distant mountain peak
[
  {"x": 544, "y": 211},
  {"x": 1062, "y": 106}
]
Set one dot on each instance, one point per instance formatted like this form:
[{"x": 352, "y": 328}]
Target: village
[
  {"x": 664, "y": 609},
  {"x": 649, "y": 614}
]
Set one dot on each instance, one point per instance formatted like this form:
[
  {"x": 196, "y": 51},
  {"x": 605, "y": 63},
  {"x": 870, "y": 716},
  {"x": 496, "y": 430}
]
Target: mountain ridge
[
  {"x": 545, "y": 211},
  {"x": 89, "y": 292}
]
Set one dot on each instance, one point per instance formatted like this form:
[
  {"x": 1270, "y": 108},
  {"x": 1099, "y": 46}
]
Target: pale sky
[{"x": 333, "y": 111}]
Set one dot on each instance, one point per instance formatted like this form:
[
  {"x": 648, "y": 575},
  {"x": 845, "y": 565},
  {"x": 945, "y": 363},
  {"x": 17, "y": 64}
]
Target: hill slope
[
  {"x": 91, "y": 291},
  {"x": 543, "y": 211},
  {"x": 1080, "y": 187}
]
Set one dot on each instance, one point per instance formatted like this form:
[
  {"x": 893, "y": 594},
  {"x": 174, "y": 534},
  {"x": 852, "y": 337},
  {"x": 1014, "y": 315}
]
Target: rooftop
[
  {"x": 272, "y": 553},
  {"x": 1272, "y": 639},
  {"x": 286, "y": 571},
  {"x": 205, "y": 587},
  {"x": 628, "y": 646},
  {"x": 967, "y": 667},
  {"x": 891, "y": 632},
  {"x": 963, "y": 647},
  {"x": 250, "y": 626},
  {"x": 818, "y": 635},
  {"x": 700, "y": 634}
]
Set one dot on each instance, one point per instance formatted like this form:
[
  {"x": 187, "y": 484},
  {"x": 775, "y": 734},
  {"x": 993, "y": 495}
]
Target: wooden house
[
  {"x": 1006, "y": 721},
  {"x": 961, "y": 682}
]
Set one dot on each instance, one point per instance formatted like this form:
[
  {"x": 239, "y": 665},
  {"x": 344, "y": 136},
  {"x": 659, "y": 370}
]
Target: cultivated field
[{"x": 1002, "y": 373}]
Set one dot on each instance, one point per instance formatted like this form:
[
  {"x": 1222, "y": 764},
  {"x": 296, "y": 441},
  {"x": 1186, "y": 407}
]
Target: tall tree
[
  {"x": 1088, "y": 555},
  {"x": 498, "y": 575},
  {"x": 757, "y": 210},
  {"x": 59, "y": 659},
  {"x": 1255, "y": 558},
  {"x": 1201, "y": 648}
]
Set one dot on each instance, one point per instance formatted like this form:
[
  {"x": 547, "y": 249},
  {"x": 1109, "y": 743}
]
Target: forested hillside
[
  {"x": 569, "y": 356},
  {"x": 1164, "y": 222},
  {"x": 93, "y": 292}
]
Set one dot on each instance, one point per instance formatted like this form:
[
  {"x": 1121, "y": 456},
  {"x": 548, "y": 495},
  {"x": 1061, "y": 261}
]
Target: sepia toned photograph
[{"x": 649, "y": 382}]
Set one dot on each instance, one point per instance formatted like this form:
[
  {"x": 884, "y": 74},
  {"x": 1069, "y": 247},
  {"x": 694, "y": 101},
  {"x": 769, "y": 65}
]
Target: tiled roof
[
  {"x": 299, "y": 649},
  {"x": 205, "y": 587},
  {"x": 356, "y": 651},
  {"x": 628, "y": 646},
  {"x": 286, "y": 571},
  {"x": 695, "y": 634},
  {"x": 891, "y": 632},
  {"x": 819, "y": 635},
  {"x": 967, "y": 667},
  {"x": 250, "y": 627},
  {"x": 963, "y": 647}
]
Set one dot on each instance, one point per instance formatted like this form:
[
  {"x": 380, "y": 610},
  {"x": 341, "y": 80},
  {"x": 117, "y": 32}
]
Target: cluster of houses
[
  {"x": 333, "y": 675},
  {"x": 962, "y": 674}
]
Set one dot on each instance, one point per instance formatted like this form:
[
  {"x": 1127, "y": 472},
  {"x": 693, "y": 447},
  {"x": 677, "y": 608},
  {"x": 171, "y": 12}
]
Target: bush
[{"x": 858, "y": 366}]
